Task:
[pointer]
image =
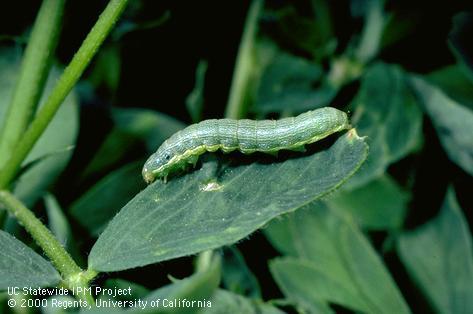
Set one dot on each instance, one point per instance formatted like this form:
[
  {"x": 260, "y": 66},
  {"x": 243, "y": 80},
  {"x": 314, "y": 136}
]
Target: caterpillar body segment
[{"x": 246, "y": 136}]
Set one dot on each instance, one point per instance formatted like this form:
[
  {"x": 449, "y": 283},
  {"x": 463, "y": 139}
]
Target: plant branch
[
  {"x": 61, "y": 260},
  {"x": 372, "y": 33},
  {"x": 237, "y": 106},
  {"x": 68, "y": 79},
  {"x": 204, "y": 260},
  {"x": 34, "y": 70}
]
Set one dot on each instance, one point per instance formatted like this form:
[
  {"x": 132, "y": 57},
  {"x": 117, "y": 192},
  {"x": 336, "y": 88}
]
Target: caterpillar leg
[{"x": 193, "y": 160}]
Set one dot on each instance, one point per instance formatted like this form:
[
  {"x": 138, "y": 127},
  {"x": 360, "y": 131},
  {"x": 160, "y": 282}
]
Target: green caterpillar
[{"x": 247, "y": 136}]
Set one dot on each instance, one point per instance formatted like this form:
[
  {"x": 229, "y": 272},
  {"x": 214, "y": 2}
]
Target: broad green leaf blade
[
  {"x": 454, "y": 82},
  {"x": 20, "y": 266},
  {"x": 132, "y": 127},
  {"x": 287, "y": 84},
  {"x": 228, "y": 302},
  {"x": 115, "y": 148},
  {"x": 200, "y": 287},
  {"x": 307, "y": 286},
  {"x": 237, "y": 277},
  {"x": 386, "y": 111},
  {"x": 312, "y": 36},
  {"x": 453, "y": 122},
  {"x": 32, "y": 75},
  {"x": 98, "y": 205},
  {"x": 439, "y": 256},
  {"x": 381, "y": 204},
  {"x": 215, "y": 206},
  {"x": 335, "y": 263},
  {"x": 397, "y": 28},
  {"x": 56, "y": 142},
  {"x": 107, "y": 69},
  {"x": 151, "y": 126},
  {"x": 9, "y": 63}
]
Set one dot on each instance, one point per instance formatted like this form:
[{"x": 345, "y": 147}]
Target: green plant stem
[
  {"x": 204, "y": 260},
  {"x": 34, "y": 70},
  {"x": 72, "y": 274},
  {"x": 372, "y": 32},
  {"x": 237, "y": 106},
  {"x": 68, "y": 79},
  {"x": 348, "y": 67}
]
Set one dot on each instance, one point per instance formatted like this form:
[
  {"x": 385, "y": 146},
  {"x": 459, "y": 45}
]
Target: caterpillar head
[{"x": 157, "y": 166}]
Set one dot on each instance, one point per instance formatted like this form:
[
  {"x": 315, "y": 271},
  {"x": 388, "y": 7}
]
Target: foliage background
[{"x": 150, "y": 61}]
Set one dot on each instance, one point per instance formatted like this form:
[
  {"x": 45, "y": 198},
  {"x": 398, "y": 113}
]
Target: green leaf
[
  {"x": 370, "y": 37},
  {"x": 115, "y": 148},
  {"x": 137, "y": 291},
  {"x": 99, "y": 204},
  {"x": 57, "y": 143},
  {"x": 195, "y": 100},
  {"x": 334, "y": 262},
  {"x": 9, "y": 63},
  {"x": 150, "y": 126},
  {"x": 200, "y": 286},
  {"x": 453, "y": 81},
  {"x": 107, "y": 68},
  {"x": 439, "y": 257},
  {"x": 31, "y": 75},
  {"x": 453, "y": 123},
  {"x": 303, "y": 32},
  {"x": 54, "y": 148},
  {"x": 59, "y": 225},
  {"x": 459, "y": 41},
  {"x": 132, "y": 126},
  {"x": 20, "y": 266},
  {"x": 237, "y": 277},
  {"x": 219, "y": 205},
  {"x": 399, "y": 25},
  {"x": 387, "y": 112},
  {"x": 288, "y": 83},
  {"x": 228, "y": 302},
  {"x": 381, "y": 204},
  {"x": 134, "y": 23},
  {"x": 309, "y": 288}
]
